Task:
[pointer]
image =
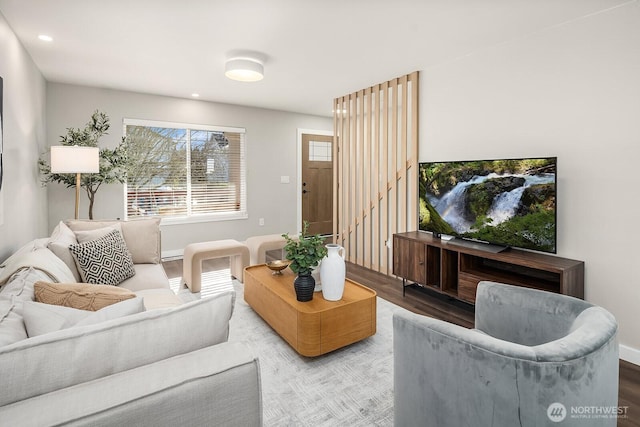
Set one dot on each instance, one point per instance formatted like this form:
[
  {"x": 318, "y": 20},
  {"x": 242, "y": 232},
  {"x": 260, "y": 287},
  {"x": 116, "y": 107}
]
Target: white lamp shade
[
  {"x": 75, "y": 159},
  {"x": 244, "y": 70}
]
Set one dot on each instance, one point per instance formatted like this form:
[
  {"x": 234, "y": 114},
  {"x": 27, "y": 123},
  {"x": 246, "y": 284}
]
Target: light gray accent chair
[{"x": 530, "y": 349}]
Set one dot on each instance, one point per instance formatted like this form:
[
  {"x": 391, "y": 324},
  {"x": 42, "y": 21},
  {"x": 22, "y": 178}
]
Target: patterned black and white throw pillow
[{"x": 105, "y": 260}]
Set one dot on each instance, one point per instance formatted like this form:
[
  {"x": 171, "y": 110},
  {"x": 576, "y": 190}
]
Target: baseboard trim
[
  {"x": 630, "y": 354},
  {"x": 173, "y": 254}
]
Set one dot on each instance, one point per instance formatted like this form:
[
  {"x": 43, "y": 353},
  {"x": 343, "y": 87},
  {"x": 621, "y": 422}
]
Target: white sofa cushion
[
  {"x": 42, "y": 318},
  {"x": 84, "y": 353},
  {"x": 148, "y": 276},
  {"x": 159, "y": 298}
]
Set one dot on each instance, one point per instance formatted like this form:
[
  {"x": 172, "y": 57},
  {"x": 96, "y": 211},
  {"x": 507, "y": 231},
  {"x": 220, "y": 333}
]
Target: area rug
[{"x": 352, "y": 386}]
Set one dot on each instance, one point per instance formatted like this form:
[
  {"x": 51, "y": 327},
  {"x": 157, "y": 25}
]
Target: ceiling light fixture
[
  {"x": 244, "y": 69},
  {"x": 45, "y": 38}
]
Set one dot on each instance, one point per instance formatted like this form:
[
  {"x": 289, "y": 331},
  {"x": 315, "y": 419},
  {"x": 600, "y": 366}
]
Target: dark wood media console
[{"x": 454, "y": 270}]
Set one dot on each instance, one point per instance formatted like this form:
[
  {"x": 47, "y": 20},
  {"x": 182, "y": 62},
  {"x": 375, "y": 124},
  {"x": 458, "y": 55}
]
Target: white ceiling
[{"x": 315, "y": 50}]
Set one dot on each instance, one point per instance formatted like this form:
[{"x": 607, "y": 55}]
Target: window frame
[{"x": 196, "y": 218}]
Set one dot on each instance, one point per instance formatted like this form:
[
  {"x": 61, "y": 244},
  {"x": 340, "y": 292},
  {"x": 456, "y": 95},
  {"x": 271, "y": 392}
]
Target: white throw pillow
[
  {"x": 113, "y": 311},
  {"x": 61, "y": 238},
  {"x": 42, "y": 318},
  {"x": 142, "y": 236}
]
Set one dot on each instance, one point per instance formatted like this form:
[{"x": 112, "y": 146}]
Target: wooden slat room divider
[{"x": 375, "y": 174}]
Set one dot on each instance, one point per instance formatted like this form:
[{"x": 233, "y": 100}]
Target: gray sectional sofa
[{"x": 148, "y": 360}]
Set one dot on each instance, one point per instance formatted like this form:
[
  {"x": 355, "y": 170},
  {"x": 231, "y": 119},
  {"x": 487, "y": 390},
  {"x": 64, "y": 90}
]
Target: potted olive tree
[
  {"x": 305, "y": 254},
  {"x": 113, "y": 162}
]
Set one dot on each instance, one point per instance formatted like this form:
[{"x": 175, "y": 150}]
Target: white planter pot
[
  {"x": 316, "y": 275},
  {"x": 333, "y": 272}
]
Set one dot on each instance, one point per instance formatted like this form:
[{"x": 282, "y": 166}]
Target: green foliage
[
  {"x": 533, "y": 231},
  {"x": 479, "y": 200},
  {"x": 431, "y": 220},
  {"x": 113, "y": 162},
  {"x": 306, "y": 252},
  {"x": 533, "y": 225},
  {"x": 480, "y": 197},
  {"x": 425, "y": 214},
  {"x": 439, "y": 178},
  {"x": 482, "y": 221}
]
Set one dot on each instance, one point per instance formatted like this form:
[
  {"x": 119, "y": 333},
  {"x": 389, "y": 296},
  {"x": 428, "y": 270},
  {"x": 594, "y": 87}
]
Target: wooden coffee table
[{"x": 315, "y": 327}]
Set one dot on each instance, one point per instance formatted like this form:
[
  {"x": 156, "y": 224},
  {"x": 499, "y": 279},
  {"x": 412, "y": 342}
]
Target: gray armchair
[{"x": 534, "y": 358}]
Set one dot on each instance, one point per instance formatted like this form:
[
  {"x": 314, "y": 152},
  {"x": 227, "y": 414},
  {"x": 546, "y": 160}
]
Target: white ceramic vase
[
  {"x": 316, "y": 275},
  {"x": 332, "y": 273}
]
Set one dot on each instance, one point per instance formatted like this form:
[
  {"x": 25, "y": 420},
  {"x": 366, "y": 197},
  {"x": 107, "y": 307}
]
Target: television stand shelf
[{"x": 455, "y": 270}]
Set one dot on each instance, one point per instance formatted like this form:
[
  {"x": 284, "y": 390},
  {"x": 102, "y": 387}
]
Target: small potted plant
[{"x": 305, "y": 254}]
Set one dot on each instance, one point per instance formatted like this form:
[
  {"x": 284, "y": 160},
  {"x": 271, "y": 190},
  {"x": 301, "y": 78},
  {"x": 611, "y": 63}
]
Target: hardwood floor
[
  {"x": 430, "y": 303},
  {"x": 418, "y": 300},
  {"x": 629, "y": 394}
]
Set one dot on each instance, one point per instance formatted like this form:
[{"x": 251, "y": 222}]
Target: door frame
[{"x": 299, "y": 170}]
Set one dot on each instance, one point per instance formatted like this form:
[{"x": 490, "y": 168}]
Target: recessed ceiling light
[
  {"x": 45, "y": 38},
  {"x": 195, "y": 95}
]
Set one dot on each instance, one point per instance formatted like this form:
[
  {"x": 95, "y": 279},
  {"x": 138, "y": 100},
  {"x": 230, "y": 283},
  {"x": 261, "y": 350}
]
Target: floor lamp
[{"x": 75, "y": 159}]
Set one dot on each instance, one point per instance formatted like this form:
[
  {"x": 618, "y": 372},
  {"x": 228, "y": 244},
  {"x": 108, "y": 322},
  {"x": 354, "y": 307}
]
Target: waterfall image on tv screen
[{"x": 509, "y": 202}]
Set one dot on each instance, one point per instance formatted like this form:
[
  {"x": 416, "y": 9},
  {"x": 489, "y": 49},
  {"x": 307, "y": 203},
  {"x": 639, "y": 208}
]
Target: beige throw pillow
[
  {"x": 88, "y": 235},
  {"x": 142, "y": 236},
  {"x": 82, "y": 296}
]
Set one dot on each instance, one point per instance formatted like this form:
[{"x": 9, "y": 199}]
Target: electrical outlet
[{"x": 261, "y": 221}]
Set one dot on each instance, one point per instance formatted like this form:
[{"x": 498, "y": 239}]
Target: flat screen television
[{"x": 504, "y": 203}]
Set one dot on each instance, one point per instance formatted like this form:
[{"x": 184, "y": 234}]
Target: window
[
  {"x": 185, "y": 171},
  {"x": 319, "y": 151}
]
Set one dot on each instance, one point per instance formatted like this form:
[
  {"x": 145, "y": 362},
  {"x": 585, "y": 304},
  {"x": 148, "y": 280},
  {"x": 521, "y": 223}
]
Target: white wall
[
  {"x": 23, "y": 201},
  {"x": 271, "y": 153},
  {"x": 571, "y": 91}
]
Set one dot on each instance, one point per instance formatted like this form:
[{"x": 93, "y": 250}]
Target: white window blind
[{"x": 185, "y": 171}]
